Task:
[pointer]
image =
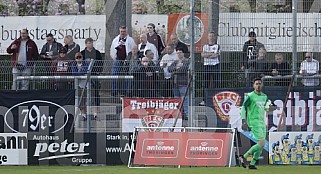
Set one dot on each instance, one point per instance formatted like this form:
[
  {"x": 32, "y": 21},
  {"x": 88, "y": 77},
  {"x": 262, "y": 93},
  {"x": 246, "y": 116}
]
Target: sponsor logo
[
  {"x": 204, "y": 149},
  {"x": 153, "y": 104},
  {"x": 73, "y": 150},
  {"x": 183, "y": 28},
  {"x": 152, "y": 121},
  {"x": 160, "y": 148},
  {"x": 35, "y": 118},
  {"x": 224, "y": 101}
]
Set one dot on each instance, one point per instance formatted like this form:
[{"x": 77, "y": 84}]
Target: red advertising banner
[
  {"x": 150, "y": 112},
  {"x": 158, "y": 148},
  {"x": 183, "y": 148},
  {"x": 206, "y": 148}
]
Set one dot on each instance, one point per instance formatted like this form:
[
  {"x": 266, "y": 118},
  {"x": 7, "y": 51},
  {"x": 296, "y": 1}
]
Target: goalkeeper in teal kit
[{"x": 253, "y": 113}]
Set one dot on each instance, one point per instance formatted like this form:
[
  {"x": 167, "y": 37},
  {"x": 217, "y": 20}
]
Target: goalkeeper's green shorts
[{"x": 259, "y": 132}]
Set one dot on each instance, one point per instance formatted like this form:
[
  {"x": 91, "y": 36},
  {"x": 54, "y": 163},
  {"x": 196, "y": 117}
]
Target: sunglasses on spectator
[
  {"x": 307, "y": 57},
  {"x": 63, "y": 52},
  {"x": 79, "y": 57},
  {"x": 149, "y": 27}
]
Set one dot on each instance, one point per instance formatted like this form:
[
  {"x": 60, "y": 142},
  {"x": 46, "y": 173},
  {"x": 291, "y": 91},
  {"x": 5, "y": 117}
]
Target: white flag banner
[
  {"x": 275, "y": 31},
  {"x": 80, "y": 27}
]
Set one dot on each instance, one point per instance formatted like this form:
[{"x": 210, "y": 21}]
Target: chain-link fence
[{"x": 234, "y": 42}]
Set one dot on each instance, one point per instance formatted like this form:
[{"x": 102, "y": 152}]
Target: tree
[
  {"x": 214, "y": 13},
  {"x": 118, "y": 13}
]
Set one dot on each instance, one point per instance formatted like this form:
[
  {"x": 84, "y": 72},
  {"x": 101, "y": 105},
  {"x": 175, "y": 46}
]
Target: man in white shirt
[
  {"x": 145, "y": 45},
  {"x": 166, "y": 62},
  {"x": 309, "y": 67},
  {"x": 120, "y": 47},
  {"x": 212, "y": 68}
]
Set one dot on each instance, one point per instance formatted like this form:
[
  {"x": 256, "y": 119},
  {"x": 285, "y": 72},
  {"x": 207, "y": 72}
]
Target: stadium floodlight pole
[{"x": 192, "y": 66}]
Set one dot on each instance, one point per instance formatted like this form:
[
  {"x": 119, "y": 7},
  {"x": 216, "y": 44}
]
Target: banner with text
[
  {"x": 79, "y": 149},
  {"x": 39, "y": 112},
  {"x": 79, "y": 27},
  {"x": 65, "y": 149},
  {"x": 295, "y": 148},
  {"x": 275, "y": 31},
  {"x": 183, "y": 148},
  {"x": 302, "y": 112},
  {"x": 150, "y": 112},
  {"x": 13, "y": 149}
]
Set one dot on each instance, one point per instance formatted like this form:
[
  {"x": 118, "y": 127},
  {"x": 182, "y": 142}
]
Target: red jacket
[{"x": 32, "y": 51}]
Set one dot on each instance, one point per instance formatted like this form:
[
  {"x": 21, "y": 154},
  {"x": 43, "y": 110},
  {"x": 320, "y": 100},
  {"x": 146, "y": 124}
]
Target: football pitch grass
[{"x": 268, "y": 169}]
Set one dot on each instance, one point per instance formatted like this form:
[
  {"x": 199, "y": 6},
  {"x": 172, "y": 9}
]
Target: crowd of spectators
[{"x": 159, "y": 70}]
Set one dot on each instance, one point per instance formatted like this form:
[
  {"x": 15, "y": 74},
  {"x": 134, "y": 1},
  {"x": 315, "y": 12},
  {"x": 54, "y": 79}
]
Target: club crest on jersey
[
  {"x": 223, "y": 102},
  {"x": 152, "y": 121}
]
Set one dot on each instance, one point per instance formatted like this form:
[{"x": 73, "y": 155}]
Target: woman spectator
[{"x": 154, "y": 38}]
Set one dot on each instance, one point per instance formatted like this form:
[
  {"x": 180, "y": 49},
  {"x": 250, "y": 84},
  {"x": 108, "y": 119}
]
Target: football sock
[
  {"x": 256, "y": 156},
  {"x": 252, "y": 150}
]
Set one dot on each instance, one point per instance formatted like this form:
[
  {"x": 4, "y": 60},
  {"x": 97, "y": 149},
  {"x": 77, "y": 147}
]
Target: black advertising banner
[
  {"x": 118, "y": 146},
  {"x": 79, "y": 149},
  {"x": 302, "y": 112},
  {"x": 43, "y": 111},
  {"x": 63, "y": 149}
]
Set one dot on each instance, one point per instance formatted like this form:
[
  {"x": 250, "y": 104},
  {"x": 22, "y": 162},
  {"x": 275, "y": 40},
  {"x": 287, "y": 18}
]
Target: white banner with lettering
[
  {"x": 275, "y": 31},
  {"x": 80, "y": 27}
]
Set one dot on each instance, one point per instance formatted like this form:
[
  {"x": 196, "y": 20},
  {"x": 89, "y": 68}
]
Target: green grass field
[{"x": 164, "y": 170}]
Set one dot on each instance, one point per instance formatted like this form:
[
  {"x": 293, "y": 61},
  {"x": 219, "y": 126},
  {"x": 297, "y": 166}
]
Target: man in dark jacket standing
[
  {"x": 50, "y": 50},
  {"x": 91, "y": 53},
  {"x": 24, "y": 52},
  {"x": 250, "y": 52}
]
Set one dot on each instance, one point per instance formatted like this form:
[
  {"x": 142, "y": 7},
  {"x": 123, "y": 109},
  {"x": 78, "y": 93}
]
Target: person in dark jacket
[
  {"x": 261, "y": 66},
  {"x": 61, "y": 67},
  {"x": 50, "y": 50},
  {"x": 132, "y": 61},
  {"x": 79, "y": 67},
  {"x": 280, "y": 68},
  {"x": 145, "y": 77},
  {"x": 179, "y": 69},
  {"x": 72, "y": 47},
  {"x": 250, "y": 52},
  {"x": 24, "y": 52},
  {"x": 178, "y": 44},
  {"x": 91, "y": 53}
]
